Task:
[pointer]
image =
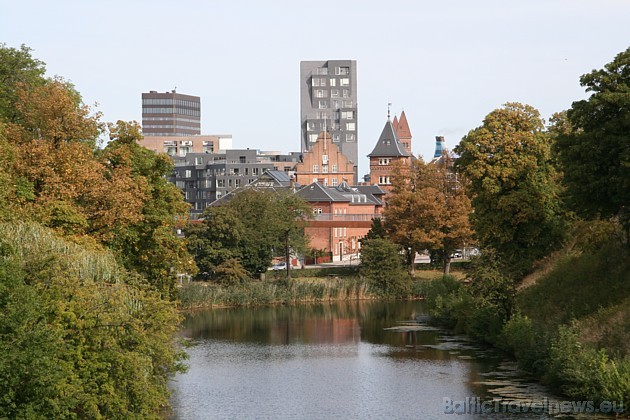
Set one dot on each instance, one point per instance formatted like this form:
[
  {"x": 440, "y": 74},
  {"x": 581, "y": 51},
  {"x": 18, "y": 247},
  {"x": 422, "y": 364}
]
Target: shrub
[{"x": 382, "y": 263}]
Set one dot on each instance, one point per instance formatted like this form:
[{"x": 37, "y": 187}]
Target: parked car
[{"x": 280, "y": 266}]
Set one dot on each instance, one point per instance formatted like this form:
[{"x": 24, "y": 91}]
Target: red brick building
[
  {"x": 342, "y": 216},
  {"x": 389, "y": 152}
]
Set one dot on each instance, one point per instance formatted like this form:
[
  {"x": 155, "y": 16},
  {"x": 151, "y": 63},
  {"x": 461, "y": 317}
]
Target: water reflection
[{"x": 354, "y": 360}]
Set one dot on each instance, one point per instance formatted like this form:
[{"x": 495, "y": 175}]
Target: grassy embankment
[
  {"x": 571, "y": 328},
  {"x": 310, "y": 285}
]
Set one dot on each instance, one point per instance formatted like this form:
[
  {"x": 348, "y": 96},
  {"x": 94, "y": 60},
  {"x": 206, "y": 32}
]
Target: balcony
[{"x": 343, "y": 220}]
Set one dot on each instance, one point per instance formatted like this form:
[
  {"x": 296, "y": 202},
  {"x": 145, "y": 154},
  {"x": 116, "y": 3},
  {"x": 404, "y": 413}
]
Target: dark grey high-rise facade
[
  {"x": 170, "y": 114},
  {"x": 328, "y": 102}
]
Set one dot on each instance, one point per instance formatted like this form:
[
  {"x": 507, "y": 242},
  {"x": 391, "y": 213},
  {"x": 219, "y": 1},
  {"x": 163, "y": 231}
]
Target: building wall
[
  {"x": 382, "y": 170},
  {"x": 170, "y": 114},
  {"x": 339, "y": 233},
  {"x": 328, "y": 101},
  {"x": 182, "y": 145},
  {"x": 325, "y": 164}
]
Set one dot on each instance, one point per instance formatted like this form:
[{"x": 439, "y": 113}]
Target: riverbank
[
  {"x": 571, "y": 329},
  {"x": 321, "y": 285}
]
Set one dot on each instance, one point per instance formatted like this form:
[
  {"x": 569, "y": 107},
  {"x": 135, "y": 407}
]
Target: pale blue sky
[{"x": 447, "y": 63}]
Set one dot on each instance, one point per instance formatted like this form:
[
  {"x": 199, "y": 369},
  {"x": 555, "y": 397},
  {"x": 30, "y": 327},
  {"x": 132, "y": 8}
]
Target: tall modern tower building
[
  {"x": 170, "y": 114},
  {"x": 328, "y": 102}
]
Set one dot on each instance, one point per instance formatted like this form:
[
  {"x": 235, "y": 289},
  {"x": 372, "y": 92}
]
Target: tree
[
  {"x": 594, "y": 152},
  {"x": 428, "y": 209},
  {"x": 18, "y": 69},
  {"x": 382, "y": 263},
  {"x": 253, "y": 227},
  {"x": 514, "y": 186},
  {"x": 148, "y": 246}
]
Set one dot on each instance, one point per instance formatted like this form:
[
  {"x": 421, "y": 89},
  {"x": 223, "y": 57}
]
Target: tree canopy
[
  {"x": 253, "y": 226},
  {"x": 594, "y": 151},
  {"x": 428, "y": 209},
  {"x": 513, "y": 185}
]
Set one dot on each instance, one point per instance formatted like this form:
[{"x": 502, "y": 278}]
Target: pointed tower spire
[{"x": 403, "y": 132}]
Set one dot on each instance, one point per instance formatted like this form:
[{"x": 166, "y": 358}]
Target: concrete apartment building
[
  {"x": 170, "y": 114},
  {"x": 206, "y": 177},
  {"x": 182, "y": 145},
  {"x": 328, "y": 102}
]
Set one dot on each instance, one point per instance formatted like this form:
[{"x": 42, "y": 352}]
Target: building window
[
  {"x": 347, "y": 104},
  {"x": 344, "y": 81},
  {"x": 188, "y": 174},
  {"x": 384, "y": 180},
  {"x": 334, "y": 169},
  {"x": 334, "y": 182},
  {"x": 199, "y": 160},
  {"x": 336, "y": 232},
  {"x": 315, "y": 168},
  {"x": 346, "y": 93},
  {"x": 333, "y": 82},
  {"x": 325, "y": 182},
  {"x": 349, "y": 137},
  {"x": 347, "y": 115},
  {"x": 220, "y": 183},
  {"x": 336, "y": 138},
  {"x": 319, "y": 93},
  {"x": 325, "y": 169},
  {"x": 314, "y": 179},
  {"x": 350, "y": 126},
  {"x": 384, "y": 161},
  {"x": 254, "y": 171},
  {"x": 317, "y": 210},
  {"x": 312, "y": 138},
  {"x": 342, "y": 71},
  {"x": 323, "y": 104},
  {"x": 334, "y": 93}
]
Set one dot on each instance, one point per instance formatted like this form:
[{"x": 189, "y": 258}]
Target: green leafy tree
[
  {"x": 594, "y": 150},
  {"x": 513, "y": 185},
  {"x": 18, "y": 70},
  {"x": 253, "y": 227},
  {"x": 79, "y": 337},
  {"x": 382, "y": 263}
]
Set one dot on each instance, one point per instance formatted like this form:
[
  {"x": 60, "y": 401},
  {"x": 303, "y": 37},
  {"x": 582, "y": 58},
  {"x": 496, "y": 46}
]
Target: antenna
[{"x": 389, "y": 104}]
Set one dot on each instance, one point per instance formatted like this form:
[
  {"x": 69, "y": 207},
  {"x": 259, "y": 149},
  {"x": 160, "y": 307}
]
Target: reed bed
[
  {"x": 28, "y": 240},
  {"x": 208, "y": 295}
]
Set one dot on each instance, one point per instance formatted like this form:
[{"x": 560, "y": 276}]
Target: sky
[{"x": 446, "y": 63}]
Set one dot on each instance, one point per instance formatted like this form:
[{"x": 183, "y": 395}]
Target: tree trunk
[
  {"x": 447, "y": 264},
  {"x": 287, "y": 255},
  {"x": 411, "y": 260}
]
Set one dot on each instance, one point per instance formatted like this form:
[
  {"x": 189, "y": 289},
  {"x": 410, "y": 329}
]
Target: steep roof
[
  {"x": 388, "y": 144},
  {"x": 317, "y": 192},
  {"x": 402, "y": 129},
  {"x": 395, "y": 124}
]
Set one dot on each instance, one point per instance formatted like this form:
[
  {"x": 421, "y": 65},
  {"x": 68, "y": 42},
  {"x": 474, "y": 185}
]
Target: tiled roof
[
  {"x": 388, "y": 144},
  {"x": 402, "y": 129}
]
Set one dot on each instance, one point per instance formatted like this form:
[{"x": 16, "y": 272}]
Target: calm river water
[{"x": 357, "y": 360}]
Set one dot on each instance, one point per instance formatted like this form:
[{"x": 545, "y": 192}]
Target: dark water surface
[{"x": 358, "y": 360}]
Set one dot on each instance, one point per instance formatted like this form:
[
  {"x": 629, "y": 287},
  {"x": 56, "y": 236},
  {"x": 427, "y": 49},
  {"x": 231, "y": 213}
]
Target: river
[{"x": 357, "y": 360}]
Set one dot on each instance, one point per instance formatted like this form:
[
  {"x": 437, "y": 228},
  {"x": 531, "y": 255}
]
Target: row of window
[
  {"x": 174, "y": 110},
  {"x": 209, "y": 172},
  {"x": 170, "y": 126},
  {"x": 176, "y": 119},
  {"x": 334, "y": 104},
  {"x": 324, "y": 169},
  {"x": 313, "y": 126},
  {"x": 339, "y": 71},
  {"x": 336, "y": 137},
  {"x": 384, "y": 180},
  {"x": 322, "y": 82},
  {"x": 340, "y": 232},
  {"x": 170, "y": 134},
  {"x": 176, "y": 102},
  {"x": 333, "y": 182},
  {"x": 384, "y": 161}
]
